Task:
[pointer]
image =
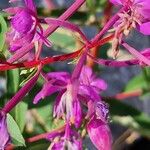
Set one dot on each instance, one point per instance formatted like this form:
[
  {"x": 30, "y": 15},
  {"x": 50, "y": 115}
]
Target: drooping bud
[{"x": 99, "y": 134}]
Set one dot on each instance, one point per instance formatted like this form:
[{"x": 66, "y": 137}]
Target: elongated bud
[{"x": 99, "y": 134}]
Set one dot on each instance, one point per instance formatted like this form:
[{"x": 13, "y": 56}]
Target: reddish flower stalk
[
  {"x": 44, "y": 135},
  {"x": 21, "y": 93},
  {"x": 7, "y": 66},
  {"x": 108, "y": 25},
  {"x": 124, "y": 95}
]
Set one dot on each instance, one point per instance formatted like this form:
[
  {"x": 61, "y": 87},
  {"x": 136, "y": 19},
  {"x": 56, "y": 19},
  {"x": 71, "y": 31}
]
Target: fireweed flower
[
  {"x": 68, "y": 139},
  {"x": 74, "y": 94},
  {"x": 65, "y": 102},
  {"x": 25, "y": 26},
  {"x": 4, "y": 135},
  {"x": 98, "y": 128},
  {"x": 71, "y": 93},
  {"x": 136, "y": 15}
]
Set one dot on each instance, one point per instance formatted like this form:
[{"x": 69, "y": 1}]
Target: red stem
[
  {"x": 44, "y": 135},
  {"x": 124, "y": 95},
  {"x": 47, "y": 60}
]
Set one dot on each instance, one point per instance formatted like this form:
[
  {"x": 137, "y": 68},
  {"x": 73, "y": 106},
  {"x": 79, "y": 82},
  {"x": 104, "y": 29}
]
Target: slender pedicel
[{"x": 21, "y": 93}]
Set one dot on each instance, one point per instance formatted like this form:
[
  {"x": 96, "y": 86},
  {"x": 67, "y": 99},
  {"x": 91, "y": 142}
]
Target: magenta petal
[
  {"x": 13, "y": 10},
  {"x": 19, "y": 42},
  {"x": 145, "y": 13},
  {"x": 137, "y": 54},
  {"x": 30, "y": 4},
  {"x": 22, "y": 22},
  {"x": 86, "y": 75},
  {"x": 100, "y": 84},
  {"x": 47, "y": 90},
  {"x": 99, "y": 134},
  {"x": 58, "y": 146},
  {"x": 58, "y": 75},
  {"x": 116, "y": 2},
  {"x": 77, "y": 113},
  {"x": 89, "y": 92},
  {"x": 145, "y": 28},
  {"x": 58, "y": 109}
]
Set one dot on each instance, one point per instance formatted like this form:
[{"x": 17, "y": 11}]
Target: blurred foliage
[
  {"x": 66, "y": 43},
  {"x": 129, "y": 116}
]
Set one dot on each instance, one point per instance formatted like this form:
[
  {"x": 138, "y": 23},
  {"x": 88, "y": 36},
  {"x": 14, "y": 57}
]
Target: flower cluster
[
  {"x": 73, "y": 96},
  {"x": 78, "y": 103},
  {"x": 135, "y": 15}
]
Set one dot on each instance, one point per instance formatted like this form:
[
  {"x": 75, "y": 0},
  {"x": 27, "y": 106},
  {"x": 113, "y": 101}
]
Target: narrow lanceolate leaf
[
  {"x": 19, "y": 113},
  {"x": 3, "y": 30},
  {"x": 14, "y": 131}
]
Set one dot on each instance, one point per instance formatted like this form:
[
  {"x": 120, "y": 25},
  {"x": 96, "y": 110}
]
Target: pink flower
[
  {"x": 135, "y": 15},
  {"x": 71, "y": 93},
  {"x": 98, "y": 128},
  {"x": 68, "y": 139},
  {"x": 4, "y": 135},
  {"x": 25, "y": 26}
]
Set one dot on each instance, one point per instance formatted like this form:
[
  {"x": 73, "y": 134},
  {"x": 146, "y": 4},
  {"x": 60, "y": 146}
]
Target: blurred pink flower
[
  {"x": 25, "y": 26},
  {"x": 136, "y": 15},
  {"x": 4, "y": 135},
  {"x": 98, "y": 128}
]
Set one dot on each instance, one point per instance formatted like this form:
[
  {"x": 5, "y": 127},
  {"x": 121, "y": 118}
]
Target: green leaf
[
  {"x": 66, "y": 42},
  {"x": 129, "y": 116},
  {"x": 3, "y": 30},
  {"x": 14, "y": 131},
  {"x": 19, "y": 113},
  {"x": 29, "y": 73},
  {"x": 135, "y": 83},
  {"x": 12, "y": 81}
]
